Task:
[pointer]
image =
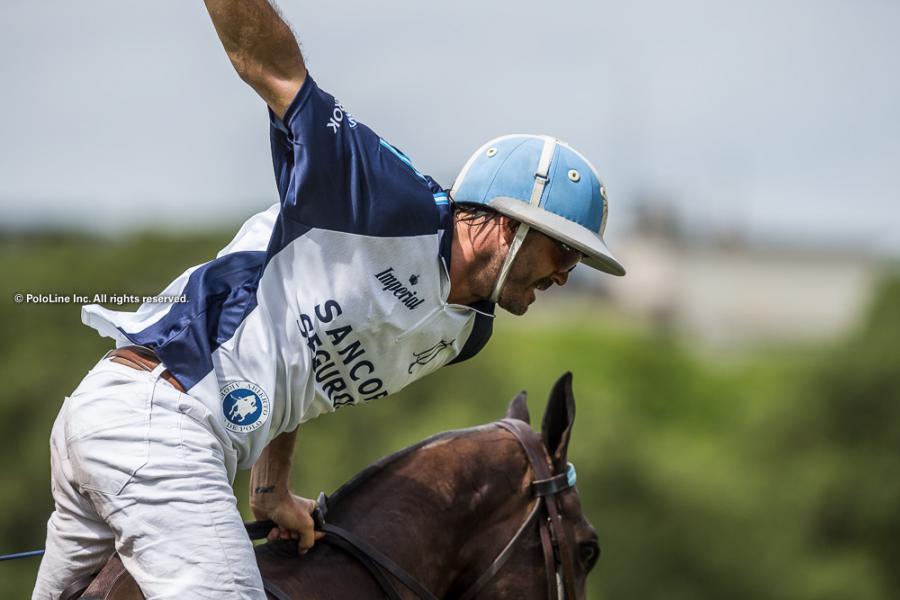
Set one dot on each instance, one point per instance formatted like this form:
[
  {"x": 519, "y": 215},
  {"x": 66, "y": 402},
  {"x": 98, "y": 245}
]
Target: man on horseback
[{"x": 366, "y": 276}]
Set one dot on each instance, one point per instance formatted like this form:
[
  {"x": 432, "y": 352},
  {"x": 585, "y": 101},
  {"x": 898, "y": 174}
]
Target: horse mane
[{"x": 384, "y": 462}]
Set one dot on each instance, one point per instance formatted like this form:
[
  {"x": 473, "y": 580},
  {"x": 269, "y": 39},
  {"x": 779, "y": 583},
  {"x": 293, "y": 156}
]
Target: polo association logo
[
  {"x": 245, "y": 406},
  {"x": 409, "y": 298}
]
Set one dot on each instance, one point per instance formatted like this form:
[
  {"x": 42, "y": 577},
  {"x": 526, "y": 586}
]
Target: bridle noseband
[{"x": 558, "y": 561}]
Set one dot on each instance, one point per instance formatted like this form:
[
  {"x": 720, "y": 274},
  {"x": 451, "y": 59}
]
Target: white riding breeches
[{"x": 136, "y": 468}]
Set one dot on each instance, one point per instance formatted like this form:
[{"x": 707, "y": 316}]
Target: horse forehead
[{"x": 570, "y": 507}]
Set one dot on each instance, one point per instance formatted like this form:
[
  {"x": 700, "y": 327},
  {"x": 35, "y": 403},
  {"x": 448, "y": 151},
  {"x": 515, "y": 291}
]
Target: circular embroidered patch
[{"x": 245, "y": 406}]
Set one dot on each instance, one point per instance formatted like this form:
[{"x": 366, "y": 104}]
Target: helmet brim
[{"x": 589, "y": 243}]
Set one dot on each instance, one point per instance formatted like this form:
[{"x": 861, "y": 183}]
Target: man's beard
[
  {"x": 513, "y": 303},
  {"x": 518, "y": 287},
  {"x": 516, "y": 295}
]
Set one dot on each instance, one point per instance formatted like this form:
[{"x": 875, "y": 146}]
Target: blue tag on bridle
[{"x": 571, "y": 476}]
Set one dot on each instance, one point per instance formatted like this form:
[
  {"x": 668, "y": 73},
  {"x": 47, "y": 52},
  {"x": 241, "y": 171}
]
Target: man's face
[{"x": 540, "y": 263}]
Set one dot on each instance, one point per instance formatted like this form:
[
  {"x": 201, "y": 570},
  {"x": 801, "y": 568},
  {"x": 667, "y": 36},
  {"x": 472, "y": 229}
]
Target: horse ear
[
  {"x": 557, "y": 424},
  {"x": 518, "y": 408}
]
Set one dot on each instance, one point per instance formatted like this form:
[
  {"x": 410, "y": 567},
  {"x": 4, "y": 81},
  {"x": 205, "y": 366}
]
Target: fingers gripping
[{"x": 295, "y": 522}]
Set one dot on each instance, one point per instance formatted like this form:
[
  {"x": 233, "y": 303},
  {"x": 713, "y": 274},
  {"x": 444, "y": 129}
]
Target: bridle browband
[{"x": 558, "y": 562}]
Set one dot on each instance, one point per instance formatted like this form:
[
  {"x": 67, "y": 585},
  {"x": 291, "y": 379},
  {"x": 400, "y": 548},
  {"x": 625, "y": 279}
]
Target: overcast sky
[{"x": 777, "y": 118}]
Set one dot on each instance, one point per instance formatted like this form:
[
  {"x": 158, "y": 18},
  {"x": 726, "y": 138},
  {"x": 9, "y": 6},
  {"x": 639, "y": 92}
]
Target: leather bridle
[{"x": 558, "y": 561}]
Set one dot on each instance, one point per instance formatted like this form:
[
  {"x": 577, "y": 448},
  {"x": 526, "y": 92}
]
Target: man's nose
[{"x": 560, "y": 277}]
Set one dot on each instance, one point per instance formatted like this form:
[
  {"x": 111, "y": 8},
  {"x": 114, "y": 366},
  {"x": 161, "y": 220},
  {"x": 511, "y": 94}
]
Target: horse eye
[{"x": 588, "y": 553}]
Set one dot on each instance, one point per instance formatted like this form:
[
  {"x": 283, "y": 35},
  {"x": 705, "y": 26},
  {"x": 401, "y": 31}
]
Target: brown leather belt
[{"x": 142, "y": 359}]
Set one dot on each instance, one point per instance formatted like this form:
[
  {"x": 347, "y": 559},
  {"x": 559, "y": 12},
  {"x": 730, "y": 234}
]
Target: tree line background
[{"x": 768, "y": 473}]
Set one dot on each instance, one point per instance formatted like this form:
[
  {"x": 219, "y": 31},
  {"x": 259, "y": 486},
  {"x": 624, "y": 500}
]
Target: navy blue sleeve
[{"x": 335, "y": 173}]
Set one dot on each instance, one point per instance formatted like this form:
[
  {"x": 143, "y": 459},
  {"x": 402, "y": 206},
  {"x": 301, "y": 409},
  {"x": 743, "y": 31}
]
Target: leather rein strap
[
  {"x": 545, "y": 487},
  {"x": 366, "y": 553}
]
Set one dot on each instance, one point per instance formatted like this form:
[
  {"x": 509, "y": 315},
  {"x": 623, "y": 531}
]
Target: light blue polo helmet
[{"x": 545, "y": 184}]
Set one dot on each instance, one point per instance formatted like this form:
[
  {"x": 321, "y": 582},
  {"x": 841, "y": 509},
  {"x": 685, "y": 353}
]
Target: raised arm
[{"x": 261, "y": 47}]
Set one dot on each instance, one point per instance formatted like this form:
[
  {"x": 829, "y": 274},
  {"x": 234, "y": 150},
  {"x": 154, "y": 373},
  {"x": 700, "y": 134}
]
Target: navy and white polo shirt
[{"x": 335, "y": 296}]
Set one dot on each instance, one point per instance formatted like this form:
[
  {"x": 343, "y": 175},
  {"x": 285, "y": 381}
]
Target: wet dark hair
[{"x": 476, "y": 214}]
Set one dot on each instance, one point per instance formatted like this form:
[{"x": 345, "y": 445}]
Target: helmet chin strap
[
  {"x": 507, "y": 263},
  {"x": 540, "y": 181}
]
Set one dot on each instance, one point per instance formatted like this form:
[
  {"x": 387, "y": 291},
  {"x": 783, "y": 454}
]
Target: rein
[{"x": 557, "y": 557}]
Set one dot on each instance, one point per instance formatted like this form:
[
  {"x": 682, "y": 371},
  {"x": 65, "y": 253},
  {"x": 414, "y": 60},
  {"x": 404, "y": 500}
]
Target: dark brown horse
[{"x": 444, "y": 510}]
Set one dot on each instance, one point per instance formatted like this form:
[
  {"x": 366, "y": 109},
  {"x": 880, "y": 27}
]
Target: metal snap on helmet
[{"x": 542, "y": 183}]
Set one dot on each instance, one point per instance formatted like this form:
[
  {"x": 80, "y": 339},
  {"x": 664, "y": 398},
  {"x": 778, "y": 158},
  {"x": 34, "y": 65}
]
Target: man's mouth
[{"x": 543, "y": 284}]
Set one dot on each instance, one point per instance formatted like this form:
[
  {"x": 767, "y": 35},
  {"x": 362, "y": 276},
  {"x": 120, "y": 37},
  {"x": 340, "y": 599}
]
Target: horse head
[{"x": 554, "y": 547}]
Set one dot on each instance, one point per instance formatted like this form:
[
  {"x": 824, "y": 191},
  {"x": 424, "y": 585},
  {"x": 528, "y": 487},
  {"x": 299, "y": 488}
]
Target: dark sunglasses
[{"x": 568, "y": 250}]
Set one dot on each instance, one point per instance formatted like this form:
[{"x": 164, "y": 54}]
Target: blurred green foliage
[{"x": 772, "y": 473}]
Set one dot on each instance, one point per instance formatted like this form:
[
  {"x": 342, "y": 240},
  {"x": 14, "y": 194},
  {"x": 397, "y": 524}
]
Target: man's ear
[{"x": 507, "y": 228}]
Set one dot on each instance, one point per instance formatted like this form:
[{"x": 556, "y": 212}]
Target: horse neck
[{"x": 445, "y": 510}]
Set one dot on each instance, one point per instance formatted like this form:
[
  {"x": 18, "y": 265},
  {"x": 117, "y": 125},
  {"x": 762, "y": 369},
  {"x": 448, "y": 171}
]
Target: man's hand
[
  {"x": 271, "y": 498},
  {"x": 293, "y": 515}
]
